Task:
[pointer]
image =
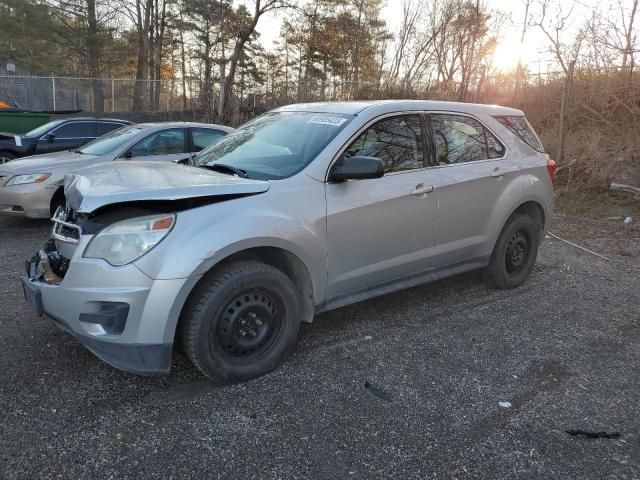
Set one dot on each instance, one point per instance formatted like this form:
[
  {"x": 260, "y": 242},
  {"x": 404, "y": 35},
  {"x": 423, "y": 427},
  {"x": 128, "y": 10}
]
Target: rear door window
[
  {"x": 522, "y": 129},
  {"x": 462, "y": 139},
  {"x": 165, "y": 142},
  {"x": 76, "y": 130},
  {"x": 203, "y": 137}
]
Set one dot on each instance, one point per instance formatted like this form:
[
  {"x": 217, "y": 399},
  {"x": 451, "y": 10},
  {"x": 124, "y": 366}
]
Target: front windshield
[
  {"x": 275, "y": 145},
  {"x": 42, "y": 129},
  {"x": 111, "y": 141}
]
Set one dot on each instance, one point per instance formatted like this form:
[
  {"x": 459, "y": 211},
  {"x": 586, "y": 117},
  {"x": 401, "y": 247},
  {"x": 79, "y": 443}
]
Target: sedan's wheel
[
  {"x": 6, "y": 157},
  {"x": 515, "y": 252},
  {"x": 242, "y": 322}
]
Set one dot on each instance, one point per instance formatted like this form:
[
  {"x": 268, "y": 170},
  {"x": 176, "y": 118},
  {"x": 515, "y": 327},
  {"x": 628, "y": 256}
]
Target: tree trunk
[
  {"x": 243, "y": 37},
  {"x": 142, "y": 67},
  {"x": 564, "y": 107},
  {"x": 160, "y": 29},
  {"x": 93, "y": 57},
  {"x": 183, "y": 65}
]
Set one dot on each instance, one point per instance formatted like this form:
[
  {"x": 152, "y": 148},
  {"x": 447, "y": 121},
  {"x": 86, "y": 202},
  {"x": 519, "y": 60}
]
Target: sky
[{"x": 534, "y": 52}]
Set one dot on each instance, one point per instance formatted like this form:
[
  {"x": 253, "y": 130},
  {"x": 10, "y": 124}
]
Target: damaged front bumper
[{"x": 120, "y": 314}]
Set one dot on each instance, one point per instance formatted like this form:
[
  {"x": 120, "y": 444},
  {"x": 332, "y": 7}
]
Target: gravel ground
[{"x": 402, "y": 386}]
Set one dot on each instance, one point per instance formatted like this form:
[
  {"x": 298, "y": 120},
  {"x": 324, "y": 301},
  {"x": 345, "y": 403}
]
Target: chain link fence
[{"x": 53, "y": 93}]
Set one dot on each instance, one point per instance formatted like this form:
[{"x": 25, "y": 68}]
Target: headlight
[
  {"x": 125, "y": 241},
  {"x": 31, "y": 178}
]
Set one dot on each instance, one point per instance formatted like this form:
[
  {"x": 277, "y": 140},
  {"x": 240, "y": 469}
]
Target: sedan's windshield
[
  {"x": 275, "y": 145},
  {"x": 111, "y": 141},
  {"x": 42, "y": 129}
]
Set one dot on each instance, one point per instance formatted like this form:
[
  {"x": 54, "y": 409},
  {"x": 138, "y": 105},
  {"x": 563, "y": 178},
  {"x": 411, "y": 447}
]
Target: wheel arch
[
  {"x": 531, "y": 207},
  {"x": 282, "y": 259},
  {"x": 57, "y": 194}
]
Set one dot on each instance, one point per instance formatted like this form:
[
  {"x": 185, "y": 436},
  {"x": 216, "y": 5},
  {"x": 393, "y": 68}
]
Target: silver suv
[{"x": 304, "y": 209}]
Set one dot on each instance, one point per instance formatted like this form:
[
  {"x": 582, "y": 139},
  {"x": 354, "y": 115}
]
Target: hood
[
  {"x": 8, "y": 135},
  {"x": 11, "y": 139},
  {"x": 40, "y": 163},
  {"x": 133, "y": 181}
]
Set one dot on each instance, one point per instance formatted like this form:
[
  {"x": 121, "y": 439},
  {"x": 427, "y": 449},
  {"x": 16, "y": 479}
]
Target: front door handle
[
  {"x": 421, "y": 190},
  {"x": 497, "y": 173}
]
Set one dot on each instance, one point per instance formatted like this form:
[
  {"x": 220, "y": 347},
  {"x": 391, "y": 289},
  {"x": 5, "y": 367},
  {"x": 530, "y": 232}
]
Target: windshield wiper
[{"x": 224, "y": 168}]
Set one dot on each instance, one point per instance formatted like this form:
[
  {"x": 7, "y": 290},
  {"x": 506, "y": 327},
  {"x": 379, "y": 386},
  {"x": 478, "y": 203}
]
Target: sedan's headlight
[
  {"x": 125, "y": 241},
  {"x": 31, "y": 178}
]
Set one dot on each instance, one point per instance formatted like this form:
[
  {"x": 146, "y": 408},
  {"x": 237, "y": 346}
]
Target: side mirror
[
  {"x": 127, "y": 154},
  {"x": 182, "y": 161},
  {"x": 49, "y": 137},
  {"x": 356, "y": 168}
]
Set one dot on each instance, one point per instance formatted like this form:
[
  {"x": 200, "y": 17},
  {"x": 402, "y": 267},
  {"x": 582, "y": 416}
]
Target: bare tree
[
  {"x": 566, "y": 51},
  {"x": 83, "y": 26},
  {"x": 520, "y": 71},
  {"x": 619, "y": 35},
  {"x": 246, "y": 31},
  {"x": 139, "y": 12}
]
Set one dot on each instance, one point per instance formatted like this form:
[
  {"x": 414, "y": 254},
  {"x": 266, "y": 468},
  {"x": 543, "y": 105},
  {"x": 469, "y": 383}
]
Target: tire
[
  {"x": 58, "y": 200},
  {"x": 6, "y": 157},
  {"x": 514, "y": 254},
  {"x": 241, "y": 323}
]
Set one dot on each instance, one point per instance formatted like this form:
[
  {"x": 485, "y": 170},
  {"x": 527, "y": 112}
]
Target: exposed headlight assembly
[
  {"x": 31, "y": 178},
  {"x": 125, "y": 241}
]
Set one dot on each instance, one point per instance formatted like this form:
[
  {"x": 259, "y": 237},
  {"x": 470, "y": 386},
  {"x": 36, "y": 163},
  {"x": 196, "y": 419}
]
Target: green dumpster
[{"x": 21, "y": 122}]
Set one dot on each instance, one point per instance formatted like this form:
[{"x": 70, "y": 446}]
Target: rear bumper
[
  {"x": 122, "y": 316},
  {"x": 32, "y": 200}
]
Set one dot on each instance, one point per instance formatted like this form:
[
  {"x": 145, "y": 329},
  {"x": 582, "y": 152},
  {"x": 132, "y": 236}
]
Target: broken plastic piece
[{"x": 505, "y": 404}]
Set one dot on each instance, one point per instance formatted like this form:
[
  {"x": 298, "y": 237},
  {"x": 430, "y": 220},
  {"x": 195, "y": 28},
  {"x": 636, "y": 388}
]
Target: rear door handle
[
  {"x": 421, "y": 190},
  {"x": 497, "y": 173}
]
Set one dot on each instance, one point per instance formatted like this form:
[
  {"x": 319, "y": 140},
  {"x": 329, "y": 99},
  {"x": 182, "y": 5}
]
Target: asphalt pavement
[{"x": 449, "y": 380}]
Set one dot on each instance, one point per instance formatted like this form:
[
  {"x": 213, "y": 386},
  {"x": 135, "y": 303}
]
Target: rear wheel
[
  {"x": 6, "y": 157},
  {"x": 515, "y": 252},
  {"x": 242, "y": 322}
]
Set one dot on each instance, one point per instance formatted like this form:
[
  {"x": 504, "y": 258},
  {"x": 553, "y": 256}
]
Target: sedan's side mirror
[
  {"x": 356, "y": 168},
  {"x": 182, "y": 161},
  {"x": 128, "y": 154},
  {"x": 49, "y": 137}
]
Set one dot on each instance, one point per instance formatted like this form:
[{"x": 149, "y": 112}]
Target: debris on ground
[
  {"x": 378, "y": 392},
  {"x": 628, "y": 220},
  {"x": 575, "y": 245},
  {"x": 505, "y": 404},
  {"x": 624, "y": 188},
  {"x": 589, "y": 434}
]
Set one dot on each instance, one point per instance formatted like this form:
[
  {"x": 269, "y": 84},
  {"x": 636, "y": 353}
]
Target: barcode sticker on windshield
[{"x": 327, "y": 120}]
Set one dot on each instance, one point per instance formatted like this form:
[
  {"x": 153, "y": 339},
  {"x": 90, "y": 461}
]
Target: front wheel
[
  {"x": 242, "y": 322},
  {"x": 514, "y": 254}
]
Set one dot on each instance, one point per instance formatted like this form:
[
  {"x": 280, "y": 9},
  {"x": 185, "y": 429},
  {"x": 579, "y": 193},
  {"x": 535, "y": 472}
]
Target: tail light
[{"x": 551, "y": 168}]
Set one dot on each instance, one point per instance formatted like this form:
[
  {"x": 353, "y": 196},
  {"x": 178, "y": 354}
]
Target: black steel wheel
[
  {"x": 249, "y": 327},
  {"x": 241, "y": 321},
  {"x": 515, "y": 252}
]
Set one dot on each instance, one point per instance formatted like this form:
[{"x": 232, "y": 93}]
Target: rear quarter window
[
  {"x": 106, "y": 127},
  {"x": 522, "y": 129}
]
